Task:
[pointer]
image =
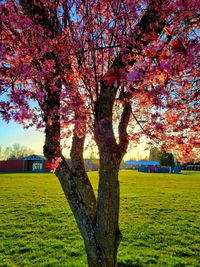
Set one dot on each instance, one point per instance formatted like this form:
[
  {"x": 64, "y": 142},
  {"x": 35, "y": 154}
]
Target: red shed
[{"x": 11, "y": 165}]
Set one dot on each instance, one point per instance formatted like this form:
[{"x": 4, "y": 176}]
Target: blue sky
[{"x": 13, "y": 133}]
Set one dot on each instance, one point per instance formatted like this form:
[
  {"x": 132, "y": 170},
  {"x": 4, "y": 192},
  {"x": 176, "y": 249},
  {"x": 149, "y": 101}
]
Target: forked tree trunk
[{"x": 101, "y": 235}]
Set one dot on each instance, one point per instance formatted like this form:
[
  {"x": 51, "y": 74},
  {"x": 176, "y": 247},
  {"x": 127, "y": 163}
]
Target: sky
[{"x": 13, "y": 133}]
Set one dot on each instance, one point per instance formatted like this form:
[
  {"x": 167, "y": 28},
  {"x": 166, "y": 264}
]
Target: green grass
[{"x": 159, "y": 219}]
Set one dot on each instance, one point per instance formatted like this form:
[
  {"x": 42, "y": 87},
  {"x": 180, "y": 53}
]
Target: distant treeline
[{"x": 191, "y": 166}]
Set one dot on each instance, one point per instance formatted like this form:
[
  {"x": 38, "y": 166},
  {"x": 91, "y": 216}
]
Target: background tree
[
  {"x": 6, "y": 153},
  {"x": 144, "y": 158},
  {"x": 1, "y": 156},
  {"x": 153, "y": 154},
  {"x": 165, "y": 158},
  {"x": 114, "y": 70},
  {"x": 16, "y": 151}
]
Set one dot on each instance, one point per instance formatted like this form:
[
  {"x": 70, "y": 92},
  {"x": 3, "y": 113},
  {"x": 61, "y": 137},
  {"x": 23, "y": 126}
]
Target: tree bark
[
  {"x": 107, "y": 231},
  {"x": 102, "y": 246},
  {"x": 107, "y": 225},
  {"x": 100, "y": 233}
]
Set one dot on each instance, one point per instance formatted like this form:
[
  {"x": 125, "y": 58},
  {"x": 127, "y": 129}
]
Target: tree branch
[
  {"x": 80, "y": 176},
  {"x": 74, "y": 181},
  {"x": 104, "y": 105},
  {"x": 40, "y": 14},
  {"x": 123, "y": 135}
]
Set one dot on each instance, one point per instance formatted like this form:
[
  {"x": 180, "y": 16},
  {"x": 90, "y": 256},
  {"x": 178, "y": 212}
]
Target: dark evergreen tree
[{"x": 165, "y": 158}]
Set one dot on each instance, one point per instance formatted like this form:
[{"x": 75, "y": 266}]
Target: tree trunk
[
  {"x": 106, "y": 235},
  {"x": 101, "y": 235}
]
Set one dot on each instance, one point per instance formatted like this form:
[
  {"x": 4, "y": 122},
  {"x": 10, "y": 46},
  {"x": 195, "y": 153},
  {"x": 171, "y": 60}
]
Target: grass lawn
[{"x": 159, "y": 219}]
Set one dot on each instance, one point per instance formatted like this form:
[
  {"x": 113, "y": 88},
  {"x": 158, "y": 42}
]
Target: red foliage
[{"x": 47, "y": 50}]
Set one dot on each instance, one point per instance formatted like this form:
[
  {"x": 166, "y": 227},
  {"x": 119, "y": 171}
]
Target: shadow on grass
[
  {"x": 190, "y": 172},
  {"x": 128, "y": 265}
]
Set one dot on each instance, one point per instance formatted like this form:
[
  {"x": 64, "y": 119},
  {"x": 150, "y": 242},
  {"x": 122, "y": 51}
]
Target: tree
[
  {"x": 153, "y": 155},
  {"x": 143, "y": 158},
  {"x": 114, "y": 70},
  {"x": 17, "y": 151},
  {"x": 6, "y": 153},
  {"x": 165, "y": 158},
  {"x": 0, "y": 153}
]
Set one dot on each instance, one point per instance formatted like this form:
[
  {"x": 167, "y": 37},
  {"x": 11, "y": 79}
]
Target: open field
[{"x": 159, "y": 219}]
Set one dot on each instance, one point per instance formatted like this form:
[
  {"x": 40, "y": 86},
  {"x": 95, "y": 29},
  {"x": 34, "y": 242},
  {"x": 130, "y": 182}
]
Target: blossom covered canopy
[{"x": 72, "y": 48}]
